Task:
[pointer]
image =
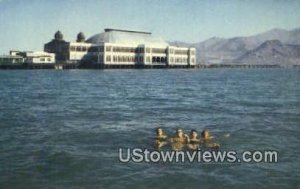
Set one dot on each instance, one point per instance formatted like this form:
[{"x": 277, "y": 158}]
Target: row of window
[
  {"x": 135, "y": 59},
  {"x": 127, "y": 50},
  {"x": 79, "y": 48},
  {"x": 96, "y": 49},
  {"x": 44, "y": 59},
  {"x": 158, "y": 51},
  {"x": 179, "y": 60},
  {"x": 11, "y": 60},
  {"x": 125, "y": 58},
  {"x": 183, "y": 52},
  {"x": 159, "y": 59}
]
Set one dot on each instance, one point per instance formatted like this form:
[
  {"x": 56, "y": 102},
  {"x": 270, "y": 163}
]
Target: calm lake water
[{"x": 63, "y": 129}]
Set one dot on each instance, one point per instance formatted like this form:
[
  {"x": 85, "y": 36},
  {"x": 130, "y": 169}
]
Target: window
[
  {"x": 108, "y": 48},
  {"x": 179, "y": 51},
  {"x": 108, "y": 58},
  {"x": 158, "y": 51},
  {"x": 42, "y": 59},
  {"x": 100, "y": 49},
  {"x": 48, "y": 59},
  {"x": 115, "y": 58},
  {"x": 84, "y": 49},
  {"x": 139, "y": 50},
  {"x": 93, "y": 49},
  {"x": 99, "y": 58},
  {"x": 141, "y": 59},
  {"x": 147, "y": 50}
]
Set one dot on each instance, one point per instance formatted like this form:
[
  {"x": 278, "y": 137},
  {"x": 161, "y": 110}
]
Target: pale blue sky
[{"x": 27, "y": 25}]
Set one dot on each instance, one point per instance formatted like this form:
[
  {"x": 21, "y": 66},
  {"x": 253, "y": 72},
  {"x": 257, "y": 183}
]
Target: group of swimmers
[{"x": 181, "y": 140}]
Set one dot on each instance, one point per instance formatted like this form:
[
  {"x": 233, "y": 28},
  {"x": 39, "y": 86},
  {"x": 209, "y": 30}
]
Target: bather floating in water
[
  {"x": 180, "y": 140},
  {"x": 207, "y": 140},
  {"x": 193, "y": 140},
  {"x": 160, "y": 138}
]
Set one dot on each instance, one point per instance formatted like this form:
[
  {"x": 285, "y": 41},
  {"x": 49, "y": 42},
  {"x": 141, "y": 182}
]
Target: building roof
[
  {"x": 127, "y": 37},
  {"x": 11, "y": 56}
]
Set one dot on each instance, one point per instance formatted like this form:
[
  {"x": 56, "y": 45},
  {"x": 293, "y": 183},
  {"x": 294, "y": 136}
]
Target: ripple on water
[{"x": 63, "y": 129}]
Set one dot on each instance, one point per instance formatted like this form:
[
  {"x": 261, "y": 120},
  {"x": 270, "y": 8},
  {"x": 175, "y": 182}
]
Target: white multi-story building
[{"x": 121, "y": 47}]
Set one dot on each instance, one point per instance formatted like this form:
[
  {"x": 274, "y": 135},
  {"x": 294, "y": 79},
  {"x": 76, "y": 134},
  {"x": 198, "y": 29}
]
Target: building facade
[
  {"x": 29, "y": 57},
  {"x": 120, "y": 47},
  {"x": 37, "y": 57},
  {"x": 59, "y": 47},
  {"x": 11, "y": 59}
]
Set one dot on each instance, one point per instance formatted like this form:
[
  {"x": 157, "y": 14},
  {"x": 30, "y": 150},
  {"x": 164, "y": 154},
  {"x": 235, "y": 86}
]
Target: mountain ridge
[{"x": 227, "y": 50}]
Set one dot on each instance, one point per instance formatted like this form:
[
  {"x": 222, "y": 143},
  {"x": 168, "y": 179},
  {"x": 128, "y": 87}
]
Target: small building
[
  {"x": 30, "y": 57},
  {"x": 37, "y": 57},
  {"x": 11, "y": 59}
]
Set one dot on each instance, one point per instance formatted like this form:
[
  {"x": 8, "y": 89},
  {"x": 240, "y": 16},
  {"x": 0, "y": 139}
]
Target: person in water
[
  {"x": 180, "y": 140},
  {"x": 193, "y": 140},
  {"x": 207, "y": 139},
  {"x": 160, "y": 138}
]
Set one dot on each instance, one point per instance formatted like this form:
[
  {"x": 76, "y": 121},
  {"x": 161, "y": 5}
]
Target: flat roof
[
  {"x": 10, "y": 56},
  {"x": 128, "y": 31}
]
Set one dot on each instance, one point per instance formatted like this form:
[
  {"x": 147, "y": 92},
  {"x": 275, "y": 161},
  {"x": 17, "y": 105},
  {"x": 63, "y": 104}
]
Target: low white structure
[
  {"x": 11, "y": 59},
  {"x": 36, "y": 57}
]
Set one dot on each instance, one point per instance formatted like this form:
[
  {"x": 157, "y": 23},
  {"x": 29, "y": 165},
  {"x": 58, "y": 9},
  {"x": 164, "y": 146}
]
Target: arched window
[{"x": 153, "y": 59}]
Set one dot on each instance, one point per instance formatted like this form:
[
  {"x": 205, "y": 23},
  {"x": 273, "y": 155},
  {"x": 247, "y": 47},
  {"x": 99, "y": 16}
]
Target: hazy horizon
[{"x": 28, "y": 25}]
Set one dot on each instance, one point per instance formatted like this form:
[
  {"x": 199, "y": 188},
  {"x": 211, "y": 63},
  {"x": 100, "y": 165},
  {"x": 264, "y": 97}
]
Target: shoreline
[{"x": 198, "y": 66}]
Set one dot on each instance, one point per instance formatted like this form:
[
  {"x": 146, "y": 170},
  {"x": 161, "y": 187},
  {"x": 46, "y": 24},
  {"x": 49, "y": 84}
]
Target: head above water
[
  {"x": 179, "y": 132},
  {"x": 159, "y": 131},
  {"x": 194, "y": 133},
  {"x": 205, "y": 134}
]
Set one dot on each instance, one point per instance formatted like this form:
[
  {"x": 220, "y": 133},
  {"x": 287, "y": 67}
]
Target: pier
[{"x": 203, "y": 66}]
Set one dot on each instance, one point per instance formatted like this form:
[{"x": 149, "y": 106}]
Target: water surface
[{"x": 63, "y": 129}]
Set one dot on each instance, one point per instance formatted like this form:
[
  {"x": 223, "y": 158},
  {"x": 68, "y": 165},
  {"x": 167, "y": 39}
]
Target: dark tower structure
[
  {"x": 80, "y": 37},
  {"x": 58, "y": 46}
]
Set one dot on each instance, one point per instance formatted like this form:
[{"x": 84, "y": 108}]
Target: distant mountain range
[
  {"x": 276, "y": 46},
  {"x": 272, "y": 52}
]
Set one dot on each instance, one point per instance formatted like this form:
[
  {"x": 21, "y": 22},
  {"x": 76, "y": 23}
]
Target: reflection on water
[{"x": 63, "y": 129}]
